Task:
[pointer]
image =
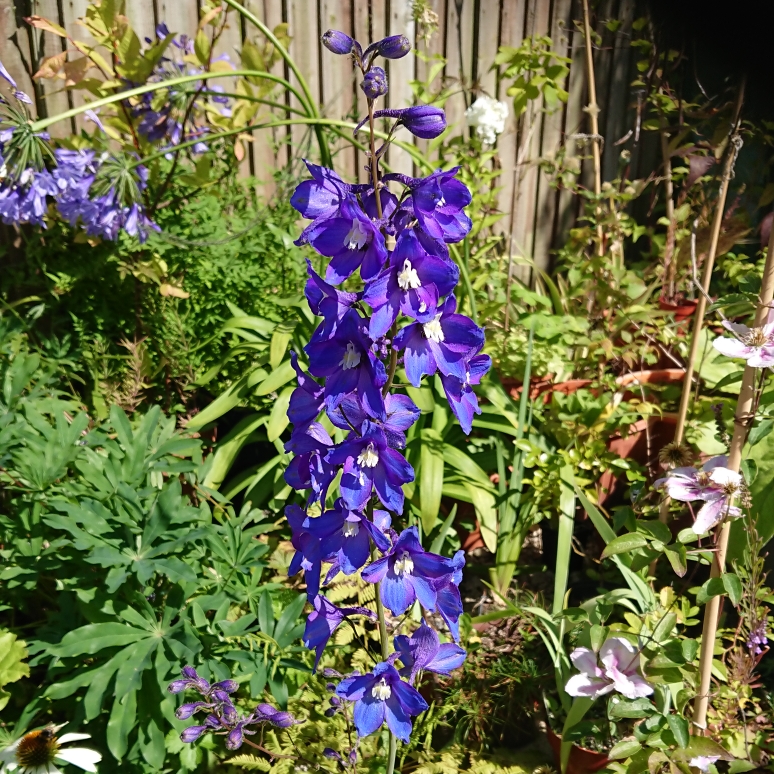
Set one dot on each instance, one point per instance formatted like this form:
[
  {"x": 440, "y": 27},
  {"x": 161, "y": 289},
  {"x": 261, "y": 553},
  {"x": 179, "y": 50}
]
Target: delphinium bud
[
  {"x": 338, "y": 42},
  {"x": 374, "y": 83},
  {"x": 393, "y": 47},
  {"x": 424, "y": 121}
]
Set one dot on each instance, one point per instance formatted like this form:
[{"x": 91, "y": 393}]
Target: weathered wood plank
[
  {"x": 339, "y": 81},
  {"x": 50, "y": 95},
  {"x": 401, "y": 73},
  {"x": 15, "y": 48}
]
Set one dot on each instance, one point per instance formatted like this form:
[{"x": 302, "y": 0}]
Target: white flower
[
  {"x": 703, "y": 762},
  {"x": 755, "y": 345},
  {"x": 41, "y": 752},
  {"x": 488, "y": 116},
  {"x": 619, "y": 671}
]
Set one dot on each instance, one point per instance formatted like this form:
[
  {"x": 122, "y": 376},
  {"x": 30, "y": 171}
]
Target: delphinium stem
[{"x": 742, "y": 423}]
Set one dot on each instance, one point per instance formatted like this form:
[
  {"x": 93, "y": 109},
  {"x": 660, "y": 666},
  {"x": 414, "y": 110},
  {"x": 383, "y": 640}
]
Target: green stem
[
  {"x": 311, "y": 103},
  {"x": 44, "y": 123}
]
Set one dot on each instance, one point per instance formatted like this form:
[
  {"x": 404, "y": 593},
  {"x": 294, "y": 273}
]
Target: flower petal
[
  {"x": 368, "y": 715},
  {"x": 81, "y": 757}
]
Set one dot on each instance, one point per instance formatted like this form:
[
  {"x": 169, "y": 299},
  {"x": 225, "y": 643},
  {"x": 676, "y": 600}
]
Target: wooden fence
[{"x": 467, "y": 35}]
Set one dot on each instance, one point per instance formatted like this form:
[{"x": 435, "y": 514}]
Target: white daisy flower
[{"x": 41, "y": 752}]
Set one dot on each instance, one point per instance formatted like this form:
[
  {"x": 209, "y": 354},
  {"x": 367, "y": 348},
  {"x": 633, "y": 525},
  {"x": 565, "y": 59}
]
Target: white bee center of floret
[
  {"x": 381, "y": 690},
  {"x": 351, "y": 357},
  {"x": 369, "y": 457},
  {"x": 404, "y": 565},
  {"x": 440, "y": 202},
  {"x": 422, "y": 307},
  {"x": 350, "y": 529},
  {"x": 357, "y": 237},
  {"x": 408, "y": 278},
  {"x": 26, "y": 176},
  {"x": 433, "y": 329}
]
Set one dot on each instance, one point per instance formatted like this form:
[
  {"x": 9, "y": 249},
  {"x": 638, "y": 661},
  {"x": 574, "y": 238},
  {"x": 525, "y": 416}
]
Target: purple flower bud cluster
[
  {"x": 757, "y": 640},
  {"x": 222, "y": 716},
  {"x": 396, "y": 241},
  {"x": 170, "y": 115}
]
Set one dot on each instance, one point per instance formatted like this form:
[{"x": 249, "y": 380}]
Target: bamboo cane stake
[
  {"x": 742, "y": 422},
  {"x": 701, "y": 305}
]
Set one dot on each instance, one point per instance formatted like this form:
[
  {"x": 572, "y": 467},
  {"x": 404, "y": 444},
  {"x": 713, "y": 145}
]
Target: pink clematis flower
[
  {"x": 755, "y": 345},
  {"x": 715, "y": 484},
  {"x": 615, "y": 668}
]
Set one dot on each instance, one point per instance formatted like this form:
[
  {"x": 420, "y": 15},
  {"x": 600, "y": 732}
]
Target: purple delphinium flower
[
  {"x": 348, "y": 364},
  {"x": 619, "y": 671},
  {"x": 338, "y": 43},
  {"x": 308, "y": 556},
  {"x": 441, "y": 341},
  {"x": 392, "y": 47},
  {"x": 382, "y": 695},
  {"x": 400, "y": 412},
  {"x": 407, "y": 573},
  {"x": 412, "y": 282},
  {"x": 326, "y": 302},
  {"x": 192, "y": 681},
  {"x": 755, "y": 345},
  {"x": 352, "y": 241},
  {"x": 715, "y": 484},
  {"x": 424, "y": 651},
  {"x": 370, "y": 464},
  {"x": 306, "y": 401},
  {"x": 345, "y": 538},
  {"x": 437, "y": 202},
  {"x": 310, "y": 468},
  {"x": 459, "y": 393},
  {"x": 323, "y": 621}
]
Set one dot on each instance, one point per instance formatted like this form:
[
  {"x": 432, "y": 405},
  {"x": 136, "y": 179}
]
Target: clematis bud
[
  {"x": 393, "y": 47},
  {"x": 338, "y": 42},
  {"x": 375, "y": 83}
]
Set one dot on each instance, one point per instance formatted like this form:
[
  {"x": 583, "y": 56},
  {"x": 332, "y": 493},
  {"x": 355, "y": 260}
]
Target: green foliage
[
  {"x": 122, "y": 566},
  {"x": 13, "y": 653}
]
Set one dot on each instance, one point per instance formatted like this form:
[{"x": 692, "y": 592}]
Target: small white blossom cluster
[{"x": 488, "y": 116}]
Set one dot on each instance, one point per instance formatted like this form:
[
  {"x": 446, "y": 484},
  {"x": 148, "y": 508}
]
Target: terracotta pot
[
  {"x": 582, "y": 761},
  {"x": 635, "y": 447},
  {"x": 682, "y": 311},
  {"x": 655, "y": 376},
  {"x": 545, "y": 387}
]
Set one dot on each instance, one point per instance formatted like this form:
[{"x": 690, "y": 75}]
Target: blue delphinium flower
[
  {"x": 394, "y": 247},
  {"x": 423, "y": 651},
  {"x": 382, "y": 695}
]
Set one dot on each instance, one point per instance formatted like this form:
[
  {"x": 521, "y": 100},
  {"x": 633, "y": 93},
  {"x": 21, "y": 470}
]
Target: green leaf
[
  {"x": 637, "y": 708},
  {"x": 279, "y": 342},
  {"x": 202, "y": 47},
  {"x": 276, "y": 379},
  {"x": 624, "y": 543},
  {"x": 580, "y": 706},
  {"x": 95, "y": 637},
  {"x": 266, "y": 614},
  {"x": 221, "y": 405},
  {"x": 656, "y": 529},
  {"x": 678, "y": 558},
  {"x": 624, "y": 749},
  {"x": 564, "y": 540},
  {"x": 12, "y": 665},
  {"x": 733, "y": 587},
  {"x": 278, "y": 419},
  {"x": 229, "y": 448},
  {"x": 679, "y": 727},
  {"x": 712, "y": 588},
  {"x": 437, "y": 544},
  {"x": 430, "y": 478}
]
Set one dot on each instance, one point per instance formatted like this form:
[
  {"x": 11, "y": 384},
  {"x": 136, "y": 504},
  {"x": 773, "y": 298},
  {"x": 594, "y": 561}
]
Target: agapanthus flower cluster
[
  {"x": 222, "y": 717},
  {"x": 757, "y": 640},
  {"x": 103, "y": 193},
  {"x": 162, "y": 114},
  {"x": 615, "y": 668},
  {"x": 713, "y": 484},
  {"x": 401, "y": 312}
]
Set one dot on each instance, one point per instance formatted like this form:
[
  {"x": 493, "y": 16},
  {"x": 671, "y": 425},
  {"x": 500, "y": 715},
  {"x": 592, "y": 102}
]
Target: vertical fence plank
[
  {"x": 305, "y": 50},
  {"x": 401, "y": 73},
  {"x": 339, "y": 79},
  {"x": 50, "y": 95},
  {"x": 181, "y": 16},
  {"x": 15, "y": 47},
  {"x": 488, "y": 28},
  {"x": 546, "y": 198},
  {"x": 511, "y": 34},
  {"x": 459, "y": 56},
  {"x": 431, "y": 48}
]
